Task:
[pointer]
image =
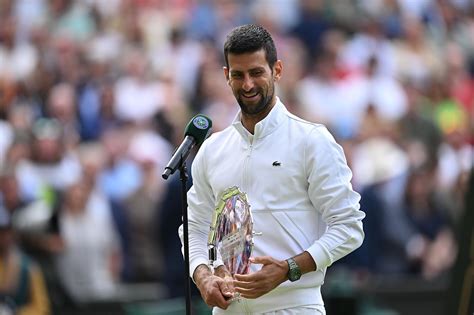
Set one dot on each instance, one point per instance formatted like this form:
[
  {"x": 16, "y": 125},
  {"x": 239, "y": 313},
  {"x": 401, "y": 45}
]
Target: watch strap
[{"x": 294, "y": 271}]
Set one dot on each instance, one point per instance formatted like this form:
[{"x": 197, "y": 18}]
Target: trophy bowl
[{"x": 231, "y": 233}]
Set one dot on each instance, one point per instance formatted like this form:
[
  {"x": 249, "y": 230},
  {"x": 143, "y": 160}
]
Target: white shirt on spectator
[
  {"x": 33, "y": 178},
  {"x": 137, "y": 100},
  {"x": 90, "y": 240},
  {"x": 19, "y": 62}
]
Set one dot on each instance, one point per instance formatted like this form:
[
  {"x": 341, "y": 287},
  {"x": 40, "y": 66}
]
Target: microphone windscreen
[{"x": 199, "y": 128}]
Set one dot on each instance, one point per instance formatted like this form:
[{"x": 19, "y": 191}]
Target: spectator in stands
[
  {"x": 51, "y": 167},
  {"x": 121, "y": 176},
  {"x": 434, "y": 250},
  {"x": 151, "y": 153},
  {"x": 22, "y": 288},
  {"x": 89, "y": 264},
  {"x": 17, "y": 59},
  {"x": 417, "y": 132},
  {"x": 61, "y": 106}
]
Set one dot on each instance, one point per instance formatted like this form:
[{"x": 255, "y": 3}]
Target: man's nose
[{"x": 248, "y": 83}]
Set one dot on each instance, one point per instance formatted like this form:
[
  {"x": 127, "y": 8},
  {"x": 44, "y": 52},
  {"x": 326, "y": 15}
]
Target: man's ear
[
  {"x": 226, "y": 73},
  {"x": 277, "y": 70}
]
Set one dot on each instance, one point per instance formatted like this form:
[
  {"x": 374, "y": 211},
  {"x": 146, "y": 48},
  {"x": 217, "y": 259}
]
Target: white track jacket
[{"x": 298, "y": 185}]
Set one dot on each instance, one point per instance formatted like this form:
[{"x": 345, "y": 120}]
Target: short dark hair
[{"x": 250, "y": 38}]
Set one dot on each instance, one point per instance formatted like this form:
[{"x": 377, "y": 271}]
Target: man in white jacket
[{"x": 297, "y": 182}]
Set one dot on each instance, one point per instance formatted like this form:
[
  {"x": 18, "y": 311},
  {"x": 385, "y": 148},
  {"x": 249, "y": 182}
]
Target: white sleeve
[
  {"x": 331, "y": 193},
  {"x": 201, "y": 203}
]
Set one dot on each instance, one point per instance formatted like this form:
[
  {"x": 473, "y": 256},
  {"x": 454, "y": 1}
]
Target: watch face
[{"x": 294, "y": 274}]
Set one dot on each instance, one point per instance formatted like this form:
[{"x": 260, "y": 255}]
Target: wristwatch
[{"x": 294, "y": 273}]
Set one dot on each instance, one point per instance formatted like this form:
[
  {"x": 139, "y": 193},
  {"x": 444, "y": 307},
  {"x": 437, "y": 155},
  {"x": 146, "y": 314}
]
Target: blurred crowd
[{"x": 95, "y": 94}]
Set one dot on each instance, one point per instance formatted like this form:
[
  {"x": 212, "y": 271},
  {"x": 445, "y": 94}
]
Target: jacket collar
[{"x": 264, "y": 127}]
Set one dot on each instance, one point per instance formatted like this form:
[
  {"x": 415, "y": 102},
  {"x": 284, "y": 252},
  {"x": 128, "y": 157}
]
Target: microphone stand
[{"x": 184, "y": 209}]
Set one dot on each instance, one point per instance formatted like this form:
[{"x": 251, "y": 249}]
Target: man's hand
[
  {"x": 273, "y": 273},
  {"x": 215, "y": 290}
]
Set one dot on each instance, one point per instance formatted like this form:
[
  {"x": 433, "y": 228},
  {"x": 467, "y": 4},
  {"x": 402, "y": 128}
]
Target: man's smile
[{"x": 251, "y": 96}]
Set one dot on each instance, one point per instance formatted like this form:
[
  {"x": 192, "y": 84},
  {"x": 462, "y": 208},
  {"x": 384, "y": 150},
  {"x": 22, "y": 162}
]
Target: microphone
[{"x": 195, "y": 133}]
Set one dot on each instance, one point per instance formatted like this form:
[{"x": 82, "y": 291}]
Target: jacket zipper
[{"x": 246, "y": 175}]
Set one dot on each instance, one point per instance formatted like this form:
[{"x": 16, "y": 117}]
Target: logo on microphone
[{"x": 201, "y": 122}]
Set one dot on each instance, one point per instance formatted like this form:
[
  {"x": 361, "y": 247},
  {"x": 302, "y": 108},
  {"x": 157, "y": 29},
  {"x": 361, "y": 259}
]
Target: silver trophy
[{"x": 231, "y": 233}]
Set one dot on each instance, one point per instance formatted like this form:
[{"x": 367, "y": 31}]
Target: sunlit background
[{"x": 95, "y": 95}]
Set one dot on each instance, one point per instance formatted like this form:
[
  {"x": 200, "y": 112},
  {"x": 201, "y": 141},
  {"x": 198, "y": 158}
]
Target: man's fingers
[
  {"x": 218, "y": 298},
  {"x": 243, "y": 284},
  {"x": 216, "y": 292},
  {"x": 264, "y": 260},
  {"x": 225, "y": 288},
  {"x": 246, "y": 278},
  {"x": 256, "y": 276}
]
